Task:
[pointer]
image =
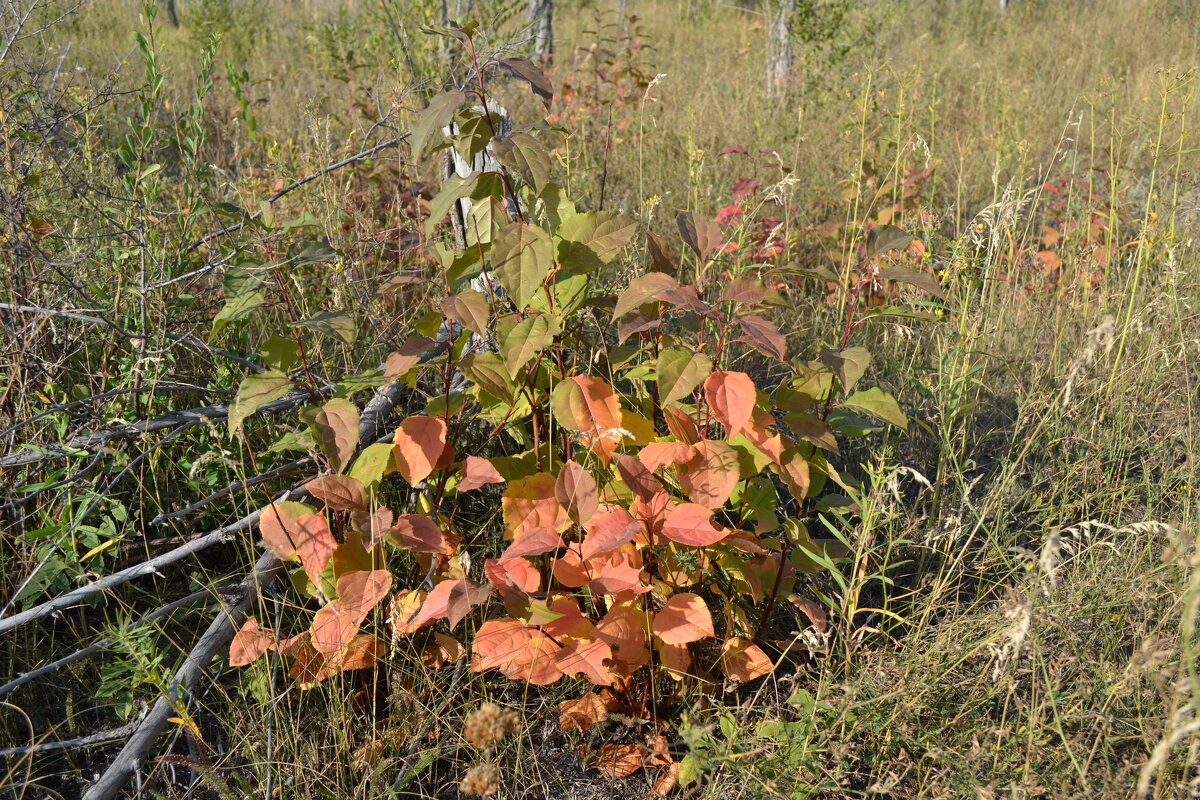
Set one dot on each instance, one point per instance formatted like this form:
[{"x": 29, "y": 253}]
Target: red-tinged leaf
[
  {"x": 582, "y": 714},
  {"x": 307, "y": 536},
  {"x": 465, "y": 595},
  {"x": 733, "y": 148},
  {"x": 674, "y": 658},
  {"x": 373, "y": 524},
  {"x": 529, "y": 504},
  {"x": 339, "y": 492},
  {"x": 336, "y": 624},
  {"x": 642, "y": 289},
  {"x": 469, "y": 309},
  {"x": 570, "y": 571},
  {"x": 279, "y": 524},
  {"x": 587, "y": 658},
  {"x": 607, "y": 530},
  {"x": 310, "y": 666},
  {"x": 532, "y": 74},
  {"x": 691, "y": 524},
  {"x": 700, "y": 234},
  {"x": 761, "y": 573},
  {"x": 652, "y": 512},
  {"x": 534, "y": 543},
  {"x": 434, "y": 606},
  {"x": 683, "y": 619},
  {"x": 512, "y": 572},
  {"x": 711, "y": 474},
  {"x": 418, "y": 447},
  {"x": 615, "y": 761},
  {"x": 793, "y": 468},
  {"x": 731, "y": 397},
  {"x": 636, "y": 322},
  {"x": 361, "y": 653},
  {"x": 625, "y": 630},
  {"x": 519, "y": 651},
  {"x": 353, "y": 555},
  {"x": 407, "y": 357},
  {"x": 744, "y": 290},
  {"x": 570, "y": 622},
  {"x": 419, "y": 533},
  {"x": 575, "y": 490},
  {"x": 743, "y": 187},
  {"x": 742, "y": 660},
  {"x": 476, "y": 472},
  {"x": 590, "y": 407},
  {"x": 729, "y": 213},
  {"x": 617, "y": 575},
  {"x": 335, "y": 427},
  {"x": 657, "y": 455},
  {"x": 764, "y": 336},
  {"x": 681, "y": 426},
  {"x": 250, "y": 643},
  {"x": 661, "y": 257},
  {"x": 812, "y": 610},
  {"x": 442, "y": 651},
  {"x": 635, "y": 475}
]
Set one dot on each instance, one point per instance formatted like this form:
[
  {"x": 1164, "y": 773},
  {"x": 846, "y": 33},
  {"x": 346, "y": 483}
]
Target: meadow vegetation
[{"x": 834, "y": 442}]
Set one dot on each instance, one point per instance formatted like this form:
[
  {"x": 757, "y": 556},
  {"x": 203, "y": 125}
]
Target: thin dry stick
[{"x": 99, "y": 737}]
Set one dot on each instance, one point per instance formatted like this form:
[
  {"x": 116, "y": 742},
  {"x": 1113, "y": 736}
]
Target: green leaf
[
  {"x": 280, "y": 352},
  {"x": 679, "y": 372},
  {"x": 602, "y": 232},
  {"x": 436, "y": 116},
  {"x": 883, "y": 238},
  {"x": 236, "y": 308},
  {"x": 255, "y": 391},
  {"x": 525, "y": 155},
  {"x": 469, "y": 309},
  {"x": 522, "y": 257},
  {"x": 293, "y": 440},
  {"x": 338, "y": 324},
  {"x": 372, "y": 463},
  {"x": 474, "y": 133},
  {"x": 922, "y": 280},
  {"x": 849, "y": 365},
  {"x": 526, "y": 339},
  {"x": 488, "y": 372},
  {"x": 879, "y": 404}
]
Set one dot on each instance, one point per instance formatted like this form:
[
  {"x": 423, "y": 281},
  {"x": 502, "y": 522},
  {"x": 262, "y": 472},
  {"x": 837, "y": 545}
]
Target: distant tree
[
  {"x": 541, "y": 18},
  {"x": 779, "y": 48}
]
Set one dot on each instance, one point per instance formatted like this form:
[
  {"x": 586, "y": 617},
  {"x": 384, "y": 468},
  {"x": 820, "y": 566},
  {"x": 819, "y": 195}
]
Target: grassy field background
[{"x": 1018, "y": 619}]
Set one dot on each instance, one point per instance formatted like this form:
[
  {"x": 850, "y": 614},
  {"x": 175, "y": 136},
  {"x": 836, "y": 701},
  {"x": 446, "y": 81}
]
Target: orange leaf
[
  {"x": 586, "y": 657},
  {"x": 250, "y": 643},
  {"x": 519, "y": 651},
  {"x": 337, "y": 622},
  {"x": 674, "y": 658},
  {"x": 476, "y": 472},
  {"x": 590, "y": 407},
  {"x": 339, "y": 492},
  {"x": 691, "y": 524},
  {"x": 404, "y": 610},
  {"x": 657, "y": 455},
  {"x": 290, "y": 529},
  {"x": 731, "y": 396},
  {"x": 616, "y": 574},
  {"x": 619, "y": 760},
  {"x": 534, "y": 543},
  {"x": 441, "y": 651},
  {"x": 624, "y": 628},
  {"x": 711, "y": 474},
  {"x": 681, "y": 426},
  {"x": 419, "y": 533},
  {"x": 582, "y": 713},
  {"x": 608, "y": 530},
  {"x": 742, "y": 660},
  {"x": 575, "y": 490},
  {"x": 512, "y": 572},
  {"x": 529, "y": 504},
  {"x": 683, "y": 619},
  {"x": 665, "y": 781},
  {"x": 419, "y": 445}
]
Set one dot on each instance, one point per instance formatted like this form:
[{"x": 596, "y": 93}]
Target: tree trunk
[
  {"x": 541, "y": 19},
  {"x": 172, "y": 17},
  {"x": 779, "y": 49},
  {"x": 1003, "y": 6}
]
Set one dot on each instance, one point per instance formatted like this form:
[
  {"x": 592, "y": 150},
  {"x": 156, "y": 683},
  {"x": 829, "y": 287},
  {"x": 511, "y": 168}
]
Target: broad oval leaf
[
  {"x": 522, "y": 256},
  {"x": 685, "y": 618},
  {"x": 337, "y": 623},
  {"x": 742, "y": 660},
  {"x": 531, "y": 503},
  {"x": 419, "y": 533},
  {"x": 678, "y": 372},
  {"x": 335, "y": 428},
  {"x": 691, "y": 524},
  {"x": 476, "y": 472},
  {"x": 576, "y": 491},
  {"x": 418, "y": 447},
  {"x": 731, "y": 397},
  {"x": 641, "y": 289},
  {"x": 711, "y": 474},
  {"x": 339, "y": 492},
  {"x": 254, "y": 392},
  {"x": 250, "y": 643}
]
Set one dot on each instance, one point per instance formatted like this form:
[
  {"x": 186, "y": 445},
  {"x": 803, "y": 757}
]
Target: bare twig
[
  {"x": 99, "y": 737},
  {"x": 164, "y": 517}
]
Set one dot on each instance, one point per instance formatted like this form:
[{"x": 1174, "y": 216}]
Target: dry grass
[{"x": 1019, "y": 616}]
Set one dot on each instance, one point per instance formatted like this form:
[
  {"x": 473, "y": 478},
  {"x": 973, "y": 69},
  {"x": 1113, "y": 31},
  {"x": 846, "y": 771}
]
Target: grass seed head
[
  {"x": 481, "y": 780},
  {"x": 489, "y": 724}
]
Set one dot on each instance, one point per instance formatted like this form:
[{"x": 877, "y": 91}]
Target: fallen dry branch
[{"x": 99, "y": 737}]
